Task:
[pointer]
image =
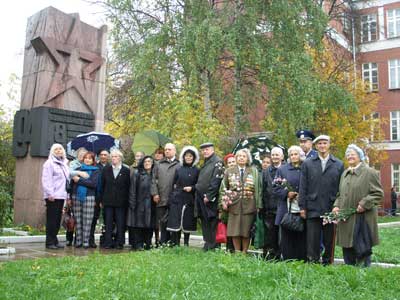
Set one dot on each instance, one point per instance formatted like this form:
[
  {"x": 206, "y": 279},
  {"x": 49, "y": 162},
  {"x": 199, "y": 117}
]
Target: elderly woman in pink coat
[{"x": 55, "y": 179}]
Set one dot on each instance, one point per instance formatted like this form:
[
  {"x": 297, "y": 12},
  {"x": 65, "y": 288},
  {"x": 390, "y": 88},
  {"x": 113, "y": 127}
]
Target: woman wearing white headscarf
[
  {"x": 285, "y": 186},
  {"x": 360, "y": 189},
  {"x": 55, "y": 178}
]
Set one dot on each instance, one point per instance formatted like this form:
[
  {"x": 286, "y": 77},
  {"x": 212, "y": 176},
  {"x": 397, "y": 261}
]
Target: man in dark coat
[
  {"x": 207, "y": 188},
  {"x": 104, "y": 157},
  {"x": 319, "y": 185},
  {"x": 115, "y": 182},
  {"x": 270, "y": 202},
  {"x": 306, "y": 138},
  {"x": 161, "y": 188}
]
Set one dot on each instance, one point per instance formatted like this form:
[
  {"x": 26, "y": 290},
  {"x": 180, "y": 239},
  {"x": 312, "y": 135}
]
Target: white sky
[{"x": 13, "y": 19}]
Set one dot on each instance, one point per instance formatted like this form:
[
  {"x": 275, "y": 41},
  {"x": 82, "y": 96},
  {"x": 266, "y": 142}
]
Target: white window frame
[
  {"x": 372, "y": 86},
  {"x": 393, "y": 19},
  {"x": 394, "y": 64},
  {"x": 395, "y": 171},
  {"x": 367, "y": 21},
  {"x": 396, "y": 121}
]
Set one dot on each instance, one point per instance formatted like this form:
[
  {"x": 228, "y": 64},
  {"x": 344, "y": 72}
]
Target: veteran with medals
[{"x": 241, "y": 197}]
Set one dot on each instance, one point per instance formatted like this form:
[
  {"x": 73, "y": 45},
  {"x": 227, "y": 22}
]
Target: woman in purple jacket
[{"x": 55, "y": 176}]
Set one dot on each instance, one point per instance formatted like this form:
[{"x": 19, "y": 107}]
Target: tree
[
  {"x": 165, "y": 47},
  {"x": 228, "y": 56},
  {"x": 7, "y": 161}
]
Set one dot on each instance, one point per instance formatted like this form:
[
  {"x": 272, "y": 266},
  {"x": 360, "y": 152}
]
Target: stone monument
[{"x": 63, "y": 94}]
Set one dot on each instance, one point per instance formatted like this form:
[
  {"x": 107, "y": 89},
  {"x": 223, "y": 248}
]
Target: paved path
[
  {"x": 32, "y": 247},
  {"x": 34, "y": 250}
]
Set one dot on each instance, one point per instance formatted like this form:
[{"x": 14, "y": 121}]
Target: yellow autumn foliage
[{"x": 356, "y": 125}]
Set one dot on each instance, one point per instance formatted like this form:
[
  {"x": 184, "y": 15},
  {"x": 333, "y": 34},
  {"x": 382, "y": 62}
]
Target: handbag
[
  {"x": 362, "y": 237},
  {"x": 221, "y": 233},
  {"x": 69, "y": 221},
  {"x": 292, "y": 222}
]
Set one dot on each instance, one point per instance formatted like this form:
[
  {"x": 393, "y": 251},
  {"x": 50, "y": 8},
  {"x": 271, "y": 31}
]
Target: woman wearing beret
[
  {"x": 241, "y": 198},
  {"x": 142, "y": 209},
  {"x": 360, "y": 190}
]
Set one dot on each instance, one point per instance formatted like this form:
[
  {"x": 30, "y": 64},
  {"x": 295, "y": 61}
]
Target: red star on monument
[{"x": 72, "y": 74}]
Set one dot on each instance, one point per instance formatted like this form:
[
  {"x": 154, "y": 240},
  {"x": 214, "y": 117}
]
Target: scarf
[{"x": 81, "y": 190}]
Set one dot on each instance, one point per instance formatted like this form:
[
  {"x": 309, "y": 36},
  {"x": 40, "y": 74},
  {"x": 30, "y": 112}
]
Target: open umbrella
[
  {"x": 92, "y": 141},
  {"x": 149, "y": 141}
]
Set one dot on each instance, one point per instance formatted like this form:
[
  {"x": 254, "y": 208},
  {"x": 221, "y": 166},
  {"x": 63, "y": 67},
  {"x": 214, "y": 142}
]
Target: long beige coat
[{"x": 361, "y": 187}]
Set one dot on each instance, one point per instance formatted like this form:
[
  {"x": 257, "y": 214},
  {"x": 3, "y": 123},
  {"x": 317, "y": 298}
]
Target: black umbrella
[{"x": 258, "y": 145}]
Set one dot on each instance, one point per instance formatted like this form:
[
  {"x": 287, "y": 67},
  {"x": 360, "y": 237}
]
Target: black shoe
[
  {"x": 69, "y": 244},
  {"x": 78, "y": 246},
  {"x": 52, "y": 247},
  {"x": 86, "y": 247},
  {"x": 60, "y": 246},
  {"x": 93, "y": 245}
]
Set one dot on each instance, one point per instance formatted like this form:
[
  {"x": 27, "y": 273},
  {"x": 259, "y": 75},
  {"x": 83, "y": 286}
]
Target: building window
[
  {"x": 394, "y": 74},
  {"x": 396, "y": 176},
  {"x": 370, "y": 76},
  {"x": 395, "y": 125},
  {"x": 393, "y": 22},
  {"x": 346, "y": 22},
  {"x": 368, "y": 28}
]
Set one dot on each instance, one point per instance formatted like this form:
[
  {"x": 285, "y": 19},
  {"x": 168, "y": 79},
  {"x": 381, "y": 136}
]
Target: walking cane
[{"x": 332, "y": 258}]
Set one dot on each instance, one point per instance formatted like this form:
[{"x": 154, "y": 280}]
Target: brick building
[{"x": 378, "y": 58}]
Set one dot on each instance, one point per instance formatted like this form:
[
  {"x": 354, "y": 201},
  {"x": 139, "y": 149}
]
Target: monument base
[{"x": 29, "y": 206}]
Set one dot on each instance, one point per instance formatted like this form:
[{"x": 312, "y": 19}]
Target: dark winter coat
[
  {"x": 312, "y": 153},
  {"x": 318, "y": 189},
  {"x": 292, "y": 175},
  {"x": 181, "y": 205},
  {"x": 142, "y": 209},
  {"x": 115, "y": 191},
  {"x": 163, "y": 176},
  {"x": 270, "y": 201},
  {"x": 208, "y": 183}
]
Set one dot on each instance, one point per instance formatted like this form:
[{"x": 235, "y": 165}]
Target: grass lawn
[
  {"x": 388, "y": 250},
  {"x": 388, "y": 219},
  {"x": 190, "y": 274}
]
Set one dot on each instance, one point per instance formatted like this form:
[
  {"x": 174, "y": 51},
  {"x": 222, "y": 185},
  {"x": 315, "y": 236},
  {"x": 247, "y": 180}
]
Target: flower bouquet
[
  {"x": 341, "y": 216},
  {"x": 283, "y": 183},
  {"x": 228, "y": 198}
]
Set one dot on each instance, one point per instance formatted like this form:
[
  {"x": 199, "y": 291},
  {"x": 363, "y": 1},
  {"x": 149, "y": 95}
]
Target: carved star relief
[{"x": 73, "y": 73}]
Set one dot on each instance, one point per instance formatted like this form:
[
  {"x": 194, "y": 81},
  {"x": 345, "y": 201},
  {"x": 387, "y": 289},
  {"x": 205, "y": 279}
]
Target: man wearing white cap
[{"x": 319, "y": 185}]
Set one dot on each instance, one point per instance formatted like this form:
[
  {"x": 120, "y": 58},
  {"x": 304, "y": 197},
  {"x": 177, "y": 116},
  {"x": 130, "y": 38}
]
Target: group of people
[
  {"x": 314, "y": 183},
  {"x": 165, "y": 194}
]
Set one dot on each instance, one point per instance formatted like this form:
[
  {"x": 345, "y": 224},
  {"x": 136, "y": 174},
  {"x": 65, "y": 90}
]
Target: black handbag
[
  {"x": 362, "y": 237},
  {"x": 292, "y": 222}
]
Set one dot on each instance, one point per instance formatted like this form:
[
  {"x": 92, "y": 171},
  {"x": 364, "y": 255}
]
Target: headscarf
[{"x": 357, "y": 149}]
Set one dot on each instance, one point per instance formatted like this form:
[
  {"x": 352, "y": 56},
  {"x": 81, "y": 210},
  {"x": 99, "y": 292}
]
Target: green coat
[{"x": 364, "y": 188}]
